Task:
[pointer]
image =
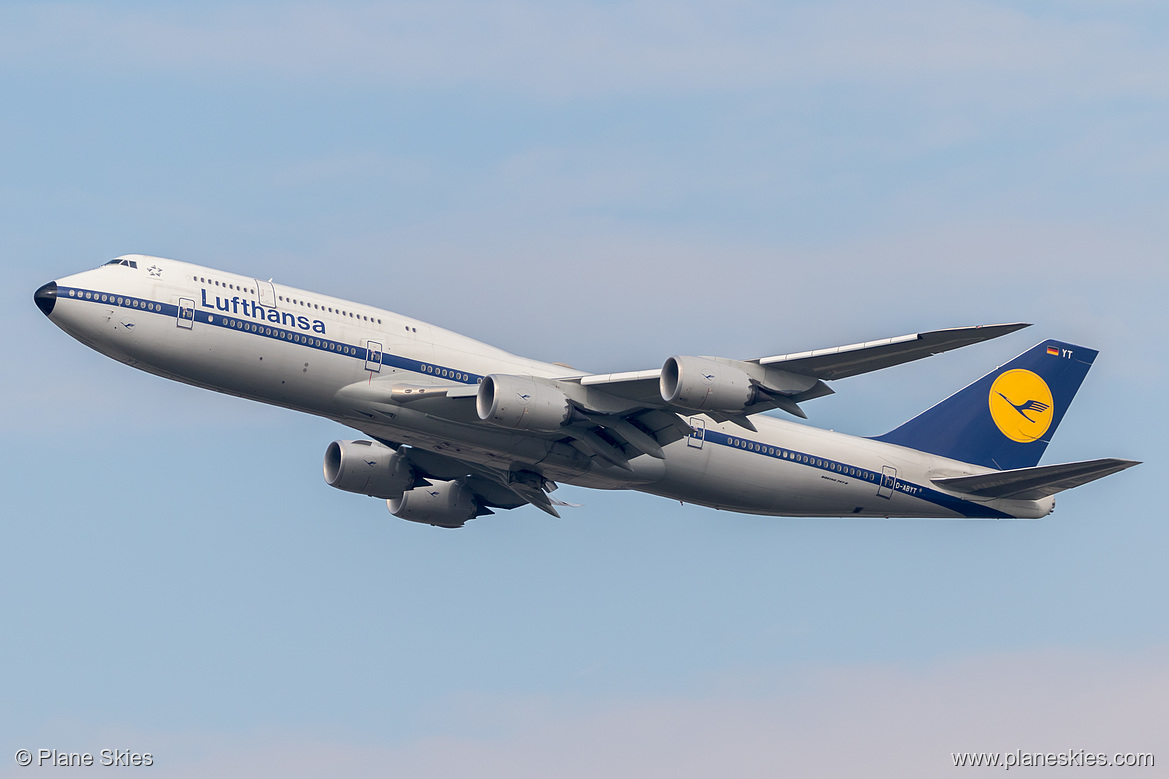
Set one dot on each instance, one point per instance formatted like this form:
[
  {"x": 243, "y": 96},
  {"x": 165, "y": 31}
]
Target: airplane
[{"x": 454, "y": 429}]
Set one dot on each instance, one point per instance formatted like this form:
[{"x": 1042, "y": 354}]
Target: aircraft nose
[{"x": 46, "y": 297}]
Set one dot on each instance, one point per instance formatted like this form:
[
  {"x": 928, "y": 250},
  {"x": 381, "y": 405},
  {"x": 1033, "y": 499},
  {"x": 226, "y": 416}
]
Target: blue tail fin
[{"x": 1005, "y": 419}]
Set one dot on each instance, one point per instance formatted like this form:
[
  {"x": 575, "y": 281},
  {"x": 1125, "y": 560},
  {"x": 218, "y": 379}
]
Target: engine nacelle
[
  {"x": 367, "y": 468},
  {"x": 699, "y": 384},
  {"x": 521, "y": 403},
  {"x": 445, "y": 504}
]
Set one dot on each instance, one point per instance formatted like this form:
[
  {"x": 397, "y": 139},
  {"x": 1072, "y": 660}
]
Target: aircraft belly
[
  {"x": 795, "y": 471},
  {"x": 232, "y": 362},
  {"x": 733, "y": 481}
]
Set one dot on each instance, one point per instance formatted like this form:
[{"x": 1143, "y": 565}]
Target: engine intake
[
  {"x": 700, "y": 384},
  {"x": 521, "y": 403},
  {"x": 444, "y": 504},
  {"x": 367, "y": 468}
]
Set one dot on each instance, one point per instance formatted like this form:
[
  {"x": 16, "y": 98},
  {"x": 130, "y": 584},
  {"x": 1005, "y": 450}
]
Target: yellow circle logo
[{"x": 1021, "y": 405}]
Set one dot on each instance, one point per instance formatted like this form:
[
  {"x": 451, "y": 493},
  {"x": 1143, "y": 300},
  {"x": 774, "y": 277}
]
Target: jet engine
[
  {"x": 521, "y": 403},
  {"x": 367, "y": 468},
  {"x": 701, "y": 384},
  {"x": 444, "y": 504}
]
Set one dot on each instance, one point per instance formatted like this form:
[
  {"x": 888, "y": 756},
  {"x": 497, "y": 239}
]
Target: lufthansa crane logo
[{"x": 1021, "y": 405}]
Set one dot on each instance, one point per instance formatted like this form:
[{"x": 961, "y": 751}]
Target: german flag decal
[{"x": 1054, "y": 352}]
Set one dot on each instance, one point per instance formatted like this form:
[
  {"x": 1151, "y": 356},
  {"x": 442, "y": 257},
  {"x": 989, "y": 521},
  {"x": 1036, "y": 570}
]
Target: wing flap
[
  {"x": 492, "y": 488},
  {"x": 1035, "y": 483}
]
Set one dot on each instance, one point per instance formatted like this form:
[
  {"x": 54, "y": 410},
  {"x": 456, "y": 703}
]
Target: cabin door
[
  {"x": 186, "y": 314},
  {"x": 888, "y": 482},
  {"x": 265, "y": 294},
  {"x": 373, "y": 356},
  {"x": 696, "y": 438}
]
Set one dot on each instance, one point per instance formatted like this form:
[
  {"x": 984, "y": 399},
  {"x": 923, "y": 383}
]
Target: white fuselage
[{"x": 338, "y": 359}]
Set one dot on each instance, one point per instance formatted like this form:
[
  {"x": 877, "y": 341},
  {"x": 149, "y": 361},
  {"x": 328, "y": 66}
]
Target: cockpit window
[
  {"x": 116, "y": 262},
  {"x": 127, "y": 263}
]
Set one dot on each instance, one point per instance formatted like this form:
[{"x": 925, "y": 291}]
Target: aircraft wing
[
  {"x": 638, "y": 386},
  {"x": 840, "y": 362},
  {"x": 492, "y": 488},
  {"x": 837, "y": 362},
  {"x": 615, "y": 417},
  {"x": 820, "y": 365}
]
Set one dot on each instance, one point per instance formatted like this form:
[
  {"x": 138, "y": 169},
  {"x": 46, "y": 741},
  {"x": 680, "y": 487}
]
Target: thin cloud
[
  {"x": 874, "y": 721},
  {"x": 619, "y": 48}
]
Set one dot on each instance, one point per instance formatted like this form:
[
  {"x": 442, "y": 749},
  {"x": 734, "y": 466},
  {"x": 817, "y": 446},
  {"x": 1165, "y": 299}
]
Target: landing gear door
[
  {"x": 373, "y": 356},
  {"x": 888, "y": 482},
  {"x": 696, "y": 438},
  {"x": 186, "y": 314}
]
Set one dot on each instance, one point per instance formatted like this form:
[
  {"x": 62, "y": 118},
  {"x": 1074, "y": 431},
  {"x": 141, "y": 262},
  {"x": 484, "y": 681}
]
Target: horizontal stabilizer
[{"x": 1035, "y": 483}]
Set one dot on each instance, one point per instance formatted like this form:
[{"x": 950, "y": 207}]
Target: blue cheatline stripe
[
  {"x": 958, "y": 505},
  {"x": 361, "y": 354},
  {"x": 266, "y": 330}
]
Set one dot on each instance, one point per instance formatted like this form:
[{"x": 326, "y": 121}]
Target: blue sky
[{"x": 605, "y": 185}]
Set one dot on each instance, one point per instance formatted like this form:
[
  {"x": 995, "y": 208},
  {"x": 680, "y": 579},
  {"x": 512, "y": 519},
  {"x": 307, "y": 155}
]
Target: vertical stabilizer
[{"x": 1005, "y": 419}]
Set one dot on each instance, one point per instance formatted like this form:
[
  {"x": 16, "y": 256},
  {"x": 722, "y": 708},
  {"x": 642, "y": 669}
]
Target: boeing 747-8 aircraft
[{"x": 454, "y": 428}]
